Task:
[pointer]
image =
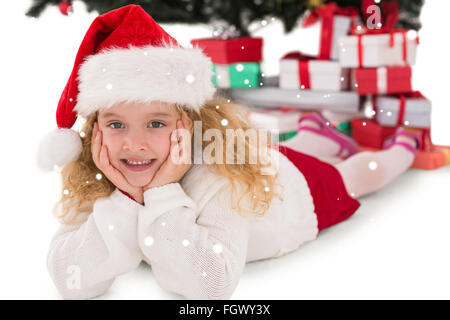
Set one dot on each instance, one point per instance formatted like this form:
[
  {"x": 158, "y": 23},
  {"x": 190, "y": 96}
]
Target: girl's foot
[
  {"x": 410, "y": 139},
  {"x": 320, "y": 125}
]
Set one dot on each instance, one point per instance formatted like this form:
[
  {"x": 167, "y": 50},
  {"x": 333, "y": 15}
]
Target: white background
[{"x": 395, "y": 246}]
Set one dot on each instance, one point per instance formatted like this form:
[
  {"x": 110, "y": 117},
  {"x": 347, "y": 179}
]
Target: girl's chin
[
  {"x": 138, "y": 182},
  {"x": 137, "y": 179}
]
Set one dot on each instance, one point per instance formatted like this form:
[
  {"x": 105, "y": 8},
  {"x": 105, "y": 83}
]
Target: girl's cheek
[
  {"x": 161, "y": 145},
  {"x": 106, "y": 139},
  {"x": 111, "y": 142}
]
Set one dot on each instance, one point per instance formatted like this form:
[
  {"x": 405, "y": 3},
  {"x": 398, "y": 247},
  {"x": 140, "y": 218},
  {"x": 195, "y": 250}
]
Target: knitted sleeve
[
  {"x": 197, "y": 255},
  {"x": 85, "y": 258}
]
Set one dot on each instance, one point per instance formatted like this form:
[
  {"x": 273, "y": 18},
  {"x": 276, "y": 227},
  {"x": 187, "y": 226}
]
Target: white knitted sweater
[{"x": 195, "y": 243}]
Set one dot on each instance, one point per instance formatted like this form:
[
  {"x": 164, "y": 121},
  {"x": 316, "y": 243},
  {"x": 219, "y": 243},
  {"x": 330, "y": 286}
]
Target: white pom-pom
[{"x": 59, "y": 147}]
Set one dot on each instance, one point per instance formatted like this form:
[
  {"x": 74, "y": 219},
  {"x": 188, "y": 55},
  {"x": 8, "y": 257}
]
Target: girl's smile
[{"x": 138, "y": 165}]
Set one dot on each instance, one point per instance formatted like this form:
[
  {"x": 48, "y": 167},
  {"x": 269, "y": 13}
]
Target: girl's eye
[
  {"x": 118, "y": 125},
  {"x": 113, "y": 123},
  {"x": 158, "y": 124}
]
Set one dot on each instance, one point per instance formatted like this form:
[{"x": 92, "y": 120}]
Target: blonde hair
[{"x": 80, "y": 188}]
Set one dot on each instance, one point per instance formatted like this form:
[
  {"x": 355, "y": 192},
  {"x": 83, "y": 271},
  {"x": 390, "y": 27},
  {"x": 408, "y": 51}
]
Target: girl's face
[{"x": 135, "y": 132}]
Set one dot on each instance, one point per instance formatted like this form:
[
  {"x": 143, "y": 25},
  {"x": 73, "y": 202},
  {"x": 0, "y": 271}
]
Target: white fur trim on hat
[
  {"x": 58, "y": 147},
  {"x": 143, "y": 74}
]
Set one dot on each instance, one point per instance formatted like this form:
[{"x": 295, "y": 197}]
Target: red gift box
[
  {"x": 435, "y": 158},
  {"x": 382, "y": 80},
  {"x": 231, "y": 50},
  {"x": 369, "y": 133}
]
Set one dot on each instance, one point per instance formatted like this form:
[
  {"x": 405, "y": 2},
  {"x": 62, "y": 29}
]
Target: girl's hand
[
  {"x": 101, "y": 159},
  {"x": 178, "y": 161}
]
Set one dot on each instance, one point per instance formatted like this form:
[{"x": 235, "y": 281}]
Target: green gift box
[
  {"x": 237, "y": 75},
  {"x": 345, "y": 127},
  {"x": 286, "y": 135}
]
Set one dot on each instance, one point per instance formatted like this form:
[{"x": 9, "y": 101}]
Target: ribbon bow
[
  {"x": 327, "y": 11},
  {"x": 297, "y": 55}
]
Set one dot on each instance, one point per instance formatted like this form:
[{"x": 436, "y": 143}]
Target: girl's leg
[
  {"x": 367, "y": 172},
  {"x": 315, "y": 137},
  {"x": 364, "y": 172},
  {"x": 312, "y": 143}
]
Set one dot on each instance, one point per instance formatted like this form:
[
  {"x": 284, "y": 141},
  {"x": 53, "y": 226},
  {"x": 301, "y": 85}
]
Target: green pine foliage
[{"x": 237, "y": 13}]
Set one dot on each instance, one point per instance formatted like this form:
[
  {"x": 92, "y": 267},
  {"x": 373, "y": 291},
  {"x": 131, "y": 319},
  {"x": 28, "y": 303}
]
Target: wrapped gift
[
  {"x": 412, "y": 110},
  {"x": 283, "y": 121},
  {"x": 287, "y": 135},
  {"x": 436, "y": 157},
  {"x": 321, "y": 29},
  {"x": 270, "y": 96},
  {"x": 374, "y": 49},
  {"x": 237, "y": 75},
  {"x": 371, "y": 134},
  {"x": 344, "y": 127},
  {"x": 382, "y": 80},
  {"x": 233, "y": 50},
  {"x": 301, "y": 72},
  {"x": 368, "y": 133},
  {"x": 341, "y": 117}
]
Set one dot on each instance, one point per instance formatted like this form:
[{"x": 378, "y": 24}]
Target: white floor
[{"x": 395, "y": 246}]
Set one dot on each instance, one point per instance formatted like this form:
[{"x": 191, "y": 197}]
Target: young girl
[{"x": 134, "y": 187}]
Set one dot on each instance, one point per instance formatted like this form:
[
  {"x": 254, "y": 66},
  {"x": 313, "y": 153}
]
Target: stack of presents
[{"x": 359, "y": 78}]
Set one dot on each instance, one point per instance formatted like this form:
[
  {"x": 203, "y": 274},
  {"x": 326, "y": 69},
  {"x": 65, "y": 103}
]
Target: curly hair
[{"x": 80, "y": 186}]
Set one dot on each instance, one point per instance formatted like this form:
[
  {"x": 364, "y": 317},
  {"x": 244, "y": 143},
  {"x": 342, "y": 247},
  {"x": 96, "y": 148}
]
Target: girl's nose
[{"x": 135, "y": 141}]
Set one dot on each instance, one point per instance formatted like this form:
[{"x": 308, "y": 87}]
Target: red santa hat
[{"x": 125, "y": 56}]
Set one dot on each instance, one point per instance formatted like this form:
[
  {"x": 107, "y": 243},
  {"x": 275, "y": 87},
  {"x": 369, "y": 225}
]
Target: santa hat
[{"x": 125, "y": 56}]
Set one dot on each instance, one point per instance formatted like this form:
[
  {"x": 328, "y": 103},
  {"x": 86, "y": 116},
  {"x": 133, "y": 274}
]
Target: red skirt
[{"x": 331, "y": 200}]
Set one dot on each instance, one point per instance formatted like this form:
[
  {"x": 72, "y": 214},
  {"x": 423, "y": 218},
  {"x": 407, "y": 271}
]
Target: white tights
[{"x": 364, "y": 172}]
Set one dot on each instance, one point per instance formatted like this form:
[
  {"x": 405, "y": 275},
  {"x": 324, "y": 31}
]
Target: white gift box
[
  {"x": 275, "y": 119},
  {"x": 309, "y": 37},
  {"x": 377, "y": 50},
  {"x": 417, "y": 112},
  {"x": 323, "y": 75},
  {"x": 271, "y": 96}
]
